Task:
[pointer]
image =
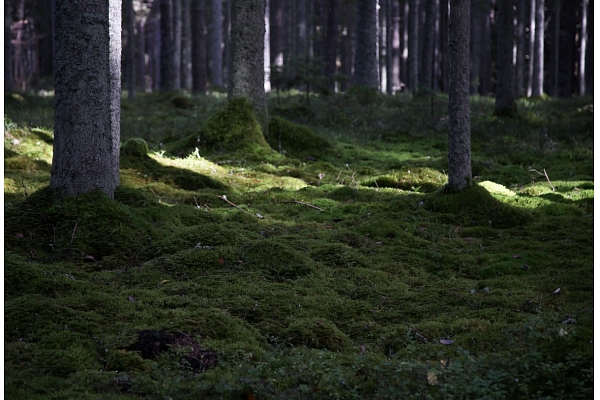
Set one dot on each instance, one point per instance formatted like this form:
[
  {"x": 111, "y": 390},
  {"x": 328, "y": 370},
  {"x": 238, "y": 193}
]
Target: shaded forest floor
[{"x": 325, "y": 264}]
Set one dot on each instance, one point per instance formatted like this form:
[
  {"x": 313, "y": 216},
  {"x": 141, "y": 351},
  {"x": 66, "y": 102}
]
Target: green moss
[
  {"x": 295, "y": 140},
  {"x": 135, "y": 147}
]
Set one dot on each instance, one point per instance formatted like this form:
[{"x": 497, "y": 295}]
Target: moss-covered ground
[{"x": 323, "y": 261}]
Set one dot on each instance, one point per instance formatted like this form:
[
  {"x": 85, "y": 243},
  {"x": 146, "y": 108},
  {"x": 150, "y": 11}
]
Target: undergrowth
[{"x": 324, "y": 261}]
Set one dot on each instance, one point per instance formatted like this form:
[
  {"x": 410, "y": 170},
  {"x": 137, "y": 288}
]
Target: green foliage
[
  {"x": 333, "y": 271},
  {"x": 135, "y": 147}
]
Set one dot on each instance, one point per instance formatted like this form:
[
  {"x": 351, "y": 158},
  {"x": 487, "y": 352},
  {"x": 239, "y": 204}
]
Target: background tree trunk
[
  {"x": 505, "y": 98},
  {"x": 589, "y": 53},
  {"x": 444, "y": 48},
  {"x": 199, "y": 56},
  {"x": 365, "y": 62},
  {"x": 428, "y": 45},
  {"x": 520, "y": 36},
  {"x": 395, "y": 72},
  {"x": 87, "y": 97},
  {"x": 537, "y": 84},
  {"x": 246, "y": 78},
  {"x": 129, "y": 24},
  {"x": 404, "y": 44},
  {"x": 8, "y": 49},
  {"x": 167, "y": 75},
  {"x": 459, "y": 143},
  {"x": 553, "y": 81},
  {"x": 186, "y": 52},
  {"x": 331, "y": 44},
  {"x": 216, "y": 42},
  {"x": 413, "y": 46},
  {"x": 583, "y": 47},
  {"x": 176, "y": 43}
]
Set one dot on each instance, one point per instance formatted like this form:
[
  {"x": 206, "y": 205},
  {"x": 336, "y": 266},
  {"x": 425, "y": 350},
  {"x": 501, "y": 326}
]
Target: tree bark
[
  {"x": 553, "y": 80},
  {"x": 477, "y": 14},
  {"x": 520, "y": 61},
  {"x": 129, "y": 22},
  {"x": 459, "y": 143},
  {"x": 589, "y": 53},
  {"x": 186, "y": 52},
  {"x": 428, "y": 45},
  {"x": 444, "y": 48},
  {"x": 413, "y": 46},
  {"x": 537, "y": 85},
  {"x": 246, "y": 78},
  {"x": 199, "y": 56},
  {"x": 331, "y": 44},
  {"x": 395, "y": 73},
  {"x": 176, "y": 43},
  {"x": 404, "y": 45},
  {"x": 216, "y": 42},
  {"x": 389, "y": 47},
  {"x": 87, "y": 97},
  {"x": 506, "y": 105},
  {"x": 365, "y": 62},
  {"x": 167, "y": 73},
  {"x": 8, "y": 49},
  {"x": 583, "y": 47}
]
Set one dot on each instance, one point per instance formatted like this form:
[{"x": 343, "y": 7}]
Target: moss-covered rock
[{"x": 136, "y": 147}]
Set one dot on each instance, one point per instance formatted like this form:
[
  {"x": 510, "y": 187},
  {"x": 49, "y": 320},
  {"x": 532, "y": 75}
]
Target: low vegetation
[{"x": 324, "y": 261}]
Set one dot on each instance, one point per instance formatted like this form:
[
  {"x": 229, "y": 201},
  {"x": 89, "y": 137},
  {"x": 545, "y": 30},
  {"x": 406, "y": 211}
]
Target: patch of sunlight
[{"x": 496, "y": 188}]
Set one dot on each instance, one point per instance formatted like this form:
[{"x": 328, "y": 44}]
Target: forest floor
[{"x": 329, "y": 264}]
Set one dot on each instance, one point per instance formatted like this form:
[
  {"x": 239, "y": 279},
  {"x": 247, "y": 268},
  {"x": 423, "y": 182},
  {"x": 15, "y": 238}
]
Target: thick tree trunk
[
  {"x": 129, "y": 22},
  {"x": 216, "y": 42},
  {"x": 186, "y": 52},
  {"x": 505, "y": 97},
  {"x": 8, "y": 49},
  {"x": 331, "y": 44},
  {"x": 199, "y": 44},
  {"x": 520, "y": 36},
  {"x": 583, "y": 47},
  {"x": 167, "y": 73},
  {"x": 87, "y": 97},
  {"x": 413, "y": 46},
  {"x": 246, "y": 78},
  {"x": 459, "y": 143},
  {"x": 365, "y": 62},
  {"x": 537, "y": 85}
]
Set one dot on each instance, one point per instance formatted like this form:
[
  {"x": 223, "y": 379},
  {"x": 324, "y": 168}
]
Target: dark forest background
[{"x": 311, "y": 45}]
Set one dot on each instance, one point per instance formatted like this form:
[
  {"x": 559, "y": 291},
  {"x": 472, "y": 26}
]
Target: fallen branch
[
  {"x": 305, "y": 204},
  {"x": 224, "y": 198},
  {"x": 73, "y": 234},
  {"x": 544, "y": 174}
]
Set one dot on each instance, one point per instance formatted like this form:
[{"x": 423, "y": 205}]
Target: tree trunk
[
  {"x": 8, "y": 49},
  {"x": 537, "y": 85},
  {"x": 87, "y": 97},
  {"x": 167, "y": 74},
  {"x": 395, "y": 72},
  {"x": 583, "y": 47},
  {"x": 365, "y": 62},
  {"x": 553, "y": 80},
  {"x": 477, "y": 14},
  {"x": 186, "y": 52},
  {"x": 246, "y": 78},
  {"x": 428, "y": 45},
  {"x": 459, "y": 143},
  {"x": 216, "y": 42},
  {"x": 505, "y": 97},
  {"x": 267, "y": 49},
  {"x": 276, "y": 32},
  {"x": 531, "y": 45},
  {"x": 129, "y": 22},
  {"x": 389, "y": 47},
  {"x": 226, "y": 40},
  {"x": 404, "y": 43},
  {"x": 520, "y": 36},
  {"x": 413, "y": 46},
  {"x": 486, "y": 50},
  {"x": 589, "y": 53},
  {"x": 331, "y": 44},
  {"x": 176, "y": 43},
  {"x": 444, "y": 48},
  {"x": 199, "y": 56}
]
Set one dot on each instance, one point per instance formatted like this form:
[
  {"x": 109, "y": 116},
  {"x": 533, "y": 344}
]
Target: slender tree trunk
[
  {"x": 381, "y": 43},
  {"x": 129, "y": 22},
  {"x": 459, "y": 144},
  {"x": 389, "y": 47},
  {"x": 553, "y": 80},
  {"x": 199, "y": 45},
  {"x": 413, "y": 46},
  {"x": 365, "y": 62},
  {"x": 436, "y": 47},
  {"x": 216, "y": 42},
  {"x": 347, "y": 40},
  {"x": 87, "y": 122},
  {"x": 331, "y": 43},
  {"x": 486, "y": 50},
  {"x": 8, "y": 48},
  {"x": 478, "y": 13},
  {"x": 428, "y": 46},
  {"x": 176, "y": 43},
  {"x": 167, "y": 73},
  {"x": 531, "y": 47},
  {"x": 267, "y": 51},
  {"x": 275, "y": 34},
  {"x": 444, "y": 48},
  {"x": 520, "y": 60},
  {"x": 505, "y": 97},
  {"x": 583, "y": 47},
  {"x": 404, "y": 45},
  {"x": 537, "y": 86},
  {"x": 589, "y": 53},
  {"x": 140, "y": 56},
  {"x": 246, "y": 77},
  {"x": 395, "y": 72},
  {"x": 186, "y": 52},
  {"x": 226, "y": 40}
]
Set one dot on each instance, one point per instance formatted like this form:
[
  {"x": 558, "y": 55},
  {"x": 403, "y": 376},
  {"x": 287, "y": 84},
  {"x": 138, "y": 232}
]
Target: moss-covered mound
[
  {"x": 135, "y": 147},
  {"x": 423, "y": 180},
  {"x": 295, "y": 140}
]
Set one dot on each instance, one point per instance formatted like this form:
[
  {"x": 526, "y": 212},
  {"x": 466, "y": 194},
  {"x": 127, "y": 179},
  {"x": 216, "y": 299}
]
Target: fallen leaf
[
  {"x": 557, "y": 291},
  {"x": 89, "y": 259},
  {"x": 164, "y": 281},
  {"x": 432, "y": 378},
  {"x": 446, "y": 341},
  {"x": 132, "y": 299}
]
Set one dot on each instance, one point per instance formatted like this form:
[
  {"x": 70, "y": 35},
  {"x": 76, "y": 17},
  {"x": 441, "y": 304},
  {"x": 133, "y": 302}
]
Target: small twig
[
  {"x": 224, "y": 198},
  {"x": 73, "y": 234},
  {"x": 306, "y": 204},
  {"x": 196, "y": 201},
  {"x": 24, "y": 187},
  {"x": 544, "y": 174}
]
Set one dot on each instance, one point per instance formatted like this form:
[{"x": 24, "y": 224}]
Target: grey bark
[
  {"x": 395, "y": 11},
  {"x": 404, "y": 43},
  {"x": 459, "y": 143},
  {"x": 520, "y": 36},
  {"x": 246, "y": 77},
  {"x": 8, "y": 49},
  {"x": 428, "y": 45},
  {"x": 276, "y": 32},
  {"x": 555, "y": 55},
  {"x": 87, "y": 97},
  {"x": 389, "y": 47},
  {"x": 583, "y": 47},
  {"x": 176, "y": 43},
  {"x": 226, "y": 39},
  {"x": 186, "y": 50},
  {"x": 444, "y": 47},
  {"x": 486, "y": 50},
  {"x": 199, "y": 45},
  {"x": 477, "y": 14},
  {"x": 167, "y": 73},
  {"x": 537, "y": 85},
  {"x": 216, "y": 42},
  {"x": 589, "y": 54},
  {"x": 413, "y": 46},
  {"x": 531, "y": 45},
  {"x": 140, "y": 65},
  {"x": 365, "y": 62},
  {"x": 331, "y": 44},
  {"x": 505, "y": 97},
  {"x": 129, "y": 24},
  {"x": 302, "y": 31}
]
